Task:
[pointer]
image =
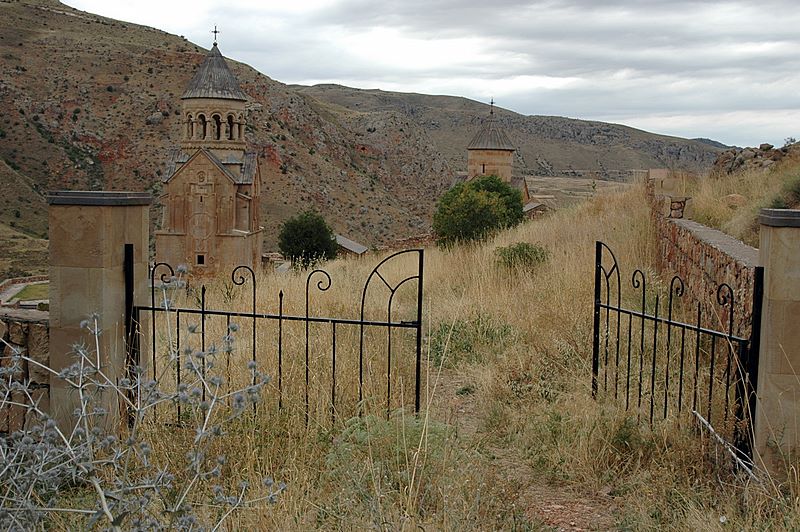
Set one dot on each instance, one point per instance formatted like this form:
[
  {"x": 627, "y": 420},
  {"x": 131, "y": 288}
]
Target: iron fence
[
  {"x": 283, "y": 341},
  {"x": 661, "y": 366}
]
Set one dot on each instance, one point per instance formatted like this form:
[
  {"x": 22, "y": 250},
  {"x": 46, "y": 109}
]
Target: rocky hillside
[
  {"x": 546, "y": 145},
  {"x": 761, "y": 158},
  {"x": 88, "y": 102}
]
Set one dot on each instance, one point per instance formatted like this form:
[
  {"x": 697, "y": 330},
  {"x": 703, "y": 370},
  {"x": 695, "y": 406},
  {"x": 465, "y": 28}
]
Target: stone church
[
  {"x": 212, "y": 186},
  {"x": 490, "y": 152}
]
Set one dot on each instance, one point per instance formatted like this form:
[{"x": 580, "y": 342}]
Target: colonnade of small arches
[{"x": 200, "y": 127}]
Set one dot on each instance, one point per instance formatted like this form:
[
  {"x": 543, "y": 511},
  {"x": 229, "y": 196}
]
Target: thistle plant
[{"x": 110, "y": 459}]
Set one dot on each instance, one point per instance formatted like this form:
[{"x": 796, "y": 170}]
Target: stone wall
[
  {"x": 703, "y": 257},
  {"x": 28, "y": 332}
]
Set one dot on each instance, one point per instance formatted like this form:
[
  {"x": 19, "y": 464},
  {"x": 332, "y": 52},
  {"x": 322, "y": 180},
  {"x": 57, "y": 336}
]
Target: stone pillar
[
  {"x": 88, "y": 234},
  {"x": 777, "y": 424}
]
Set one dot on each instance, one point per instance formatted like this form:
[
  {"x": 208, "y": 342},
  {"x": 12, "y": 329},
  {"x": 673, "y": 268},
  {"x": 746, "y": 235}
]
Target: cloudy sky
[{"x": 726, "y": 70}]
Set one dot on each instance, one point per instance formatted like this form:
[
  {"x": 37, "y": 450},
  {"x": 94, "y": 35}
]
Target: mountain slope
[
  {"x": 88, "y": 102},
  {"x": 546, "y": 145}
]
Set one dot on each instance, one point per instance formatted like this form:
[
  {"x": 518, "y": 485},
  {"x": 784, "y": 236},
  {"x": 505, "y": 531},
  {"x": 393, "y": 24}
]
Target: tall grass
[
  {"x": 507, "y": 401},
  {"x": 778, "y": 187}
]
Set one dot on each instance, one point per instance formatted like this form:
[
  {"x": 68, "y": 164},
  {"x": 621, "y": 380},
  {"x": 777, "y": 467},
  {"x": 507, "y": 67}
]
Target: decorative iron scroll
[
  {"x": 655, "y": 352},
  {"x": 318, "y": 280}
]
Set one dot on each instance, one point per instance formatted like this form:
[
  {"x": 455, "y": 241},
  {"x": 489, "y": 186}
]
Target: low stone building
[{"x": 211, "y": 199}]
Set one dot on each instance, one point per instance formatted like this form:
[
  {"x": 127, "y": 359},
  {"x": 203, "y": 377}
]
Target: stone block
[
  {"x": 39, "y": 351},
  {"x": 17, "y": 412},
  {"x": 18, "y": 332},
  {"x": 77, "y": 234},
  {"x": 21, "y": 365}
]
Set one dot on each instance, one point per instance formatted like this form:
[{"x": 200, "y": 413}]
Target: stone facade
[
  {"x": 88, "y": 235},
  {"x": 490, "y": 162},
  {"x": 777, "y": 434},
  {"x": 490, "y": 152},
  {"x": 212, "y": 188},
  {"x": 25, "y": 332},
  {"x": 703, "y": 257}
]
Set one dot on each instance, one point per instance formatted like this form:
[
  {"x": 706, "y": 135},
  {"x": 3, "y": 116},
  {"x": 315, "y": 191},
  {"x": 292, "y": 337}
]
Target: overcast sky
[{"x": 725, "y": 70}]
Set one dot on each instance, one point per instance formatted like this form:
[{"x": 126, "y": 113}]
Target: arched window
[
  {"x": 189, "y": 126},
  {"x": 231, "y": 125},
  {"x": 217, "y": 127},
  {"x": 203, "y": 126}
]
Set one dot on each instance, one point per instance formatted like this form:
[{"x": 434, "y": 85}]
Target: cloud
[{"x": 649, "y": 63}]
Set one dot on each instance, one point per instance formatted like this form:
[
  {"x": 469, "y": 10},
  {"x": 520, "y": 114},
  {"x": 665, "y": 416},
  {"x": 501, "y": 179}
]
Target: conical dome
[
  {"x": 490, "y": 137},
  {"x": 214, "y": 80}
]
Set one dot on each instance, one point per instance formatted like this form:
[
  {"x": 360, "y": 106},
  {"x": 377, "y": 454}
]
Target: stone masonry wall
[
  {"x": 704, "y": 258},
  {"x": 27, "y": 331}
]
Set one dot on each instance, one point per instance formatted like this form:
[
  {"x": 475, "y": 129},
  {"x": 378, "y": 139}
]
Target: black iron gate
[
  {"x": 286, "y": 347},
  {"x": 660, "y": 366}
]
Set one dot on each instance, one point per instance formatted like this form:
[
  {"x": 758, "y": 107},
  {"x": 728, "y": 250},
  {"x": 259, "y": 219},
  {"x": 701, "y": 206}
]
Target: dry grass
[
  {"x": 778, "y": 187},
  {"x": 512, "y": 350}
]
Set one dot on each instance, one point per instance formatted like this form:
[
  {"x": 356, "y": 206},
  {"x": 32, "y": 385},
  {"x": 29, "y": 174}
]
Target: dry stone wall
[
  {"x": 25, "y": 332},
  {"x": 704, "y": 258}
]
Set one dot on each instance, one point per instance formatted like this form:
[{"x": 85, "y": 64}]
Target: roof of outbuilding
[
  {"x": 490, "y": 137},
  {"x": 349, "y": 245},
  {"x": 214, "y": 80}
]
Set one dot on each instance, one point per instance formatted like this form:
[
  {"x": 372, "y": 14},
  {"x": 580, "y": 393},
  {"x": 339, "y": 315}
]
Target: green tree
[
  {"x": 475, "y": 209},
  {"x": 306, "y": 239}
]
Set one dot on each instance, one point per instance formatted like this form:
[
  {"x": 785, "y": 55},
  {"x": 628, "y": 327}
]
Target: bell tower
[
  {"x": 212, "y": 187},
  {"x": 490, "y": 152}
]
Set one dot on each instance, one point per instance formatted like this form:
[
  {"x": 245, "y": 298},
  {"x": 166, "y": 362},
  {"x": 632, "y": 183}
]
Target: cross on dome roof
[{"x": 491, "y": 136}]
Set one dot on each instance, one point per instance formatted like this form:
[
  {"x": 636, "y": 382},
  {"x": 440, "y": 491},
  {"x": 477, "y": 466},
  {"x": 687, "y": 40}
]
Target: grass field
[{"x": 509, "y": 437}]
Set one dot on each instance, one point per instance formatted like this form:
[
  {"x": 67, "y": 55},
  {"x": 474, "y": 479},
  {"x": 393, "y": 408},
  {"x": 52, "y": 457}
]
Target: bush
[
  {"x": 522, "y": 255},
  {"x": 476, "y": 209},
  {"x": 98, "y": 475},
  {"x": 306, "y": 239}
]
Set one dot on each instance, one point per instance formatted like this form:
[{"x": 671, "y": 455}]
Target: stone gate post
[
  {"x": 88, "y": 234},
  {"x": 777, "y": 423}
]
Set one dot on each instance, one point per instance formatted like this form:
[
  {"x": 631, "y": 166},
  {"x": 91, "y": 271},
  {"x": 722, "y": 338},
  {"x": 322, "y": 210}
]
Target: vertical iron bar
[
  {"x": 641, "y": 351},
  {"x": 202, "y": 334},
  {"x": 598, "y": 258},
  {"x": 751, "y": 364},
  {"x": 132, "y": 357},
  {"x": 606, "y": 336},
  {"x": 669, "y": 346},
  {"x": 280, "y": 350},
  {"x": 333, "y": 374},
  {"x": 628, "y": 372},
  {"x": 177, "y": 357},
  {"x": 417, "y": 377},
  {"x": 680, "y": 376},
  {"x": 153, "y": 318},
  {"x": 653, "y": 369},
  {"x": 306, "y": 361},
  {"x": 711, "y": 376},
  {"x": 697, "y": 358},
  {"x": 228, "y": 355},
  {"x": 741, "y": 426},
  {"x": 728, "y": 365},
  {"x": 389, "y": 361}
]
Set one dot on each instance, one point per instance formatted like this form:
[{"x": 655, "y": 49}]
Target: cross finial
[
  {"x": 215, "y": 32},
  {"x": 491, "y": 106}
]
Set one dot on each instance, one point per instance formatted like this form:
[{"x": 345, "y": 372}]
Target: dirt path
[{"x": 559, "y": 507}]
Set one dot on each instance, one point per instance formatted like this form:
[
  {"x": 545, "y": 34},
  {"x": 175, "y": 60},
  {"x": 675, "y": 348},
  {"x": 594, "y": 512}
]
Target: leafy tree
[
  {"x": 475, "y": 209},
  {"x": 306, "y": 239}
]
